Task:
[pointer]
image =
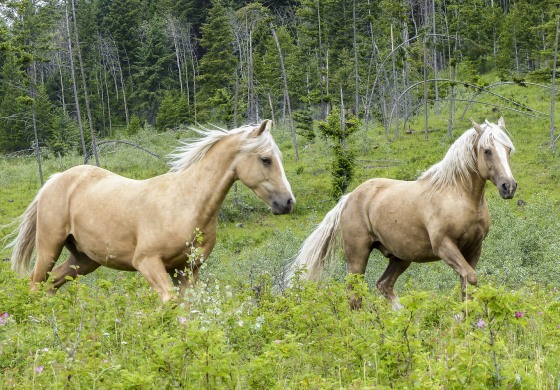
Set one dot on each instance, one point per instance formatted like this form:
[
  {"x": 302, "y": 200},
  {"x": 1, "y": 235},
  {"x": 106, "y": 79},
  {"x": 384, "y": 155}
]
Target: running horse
[
  {"x": 442, "y": 215},
  {"x": 145, "y": 225}
]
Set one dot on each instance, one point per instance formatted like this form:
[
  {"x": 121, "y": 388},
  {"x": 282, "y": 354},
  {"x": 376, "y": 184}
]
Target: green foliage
[
  {"x": 174, "y": 111},
  {"x": 339, "y": 129},
  {"x": 304, "y": 124},
  {"x": 217, "y": 66},
  {"x": 134, "y": 125},
  {"x": 114, "y": 333}
]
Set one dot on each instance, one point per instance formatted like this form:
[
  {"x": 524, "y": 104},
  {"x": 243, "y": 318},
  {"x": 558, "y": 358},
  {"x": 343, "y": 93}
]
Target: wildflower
[
  {"x": 39, "y": 369},
  {"x": 519, "y": 314},
  {"x": 277, "y": 341},
  {"x": 4, "y": 318},
  {"x": 182, "y": 320},
  {"x": 117, "y": 320},
  {"x": 480, "y": 324},
  {"x": 540, "y": 313}
]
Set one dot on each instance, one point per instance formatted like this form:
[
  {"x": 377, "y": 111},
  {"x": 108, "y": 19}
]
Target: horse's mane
[
  {"x": 454, "y": 168},
  {"x": 192, "y": 151}
]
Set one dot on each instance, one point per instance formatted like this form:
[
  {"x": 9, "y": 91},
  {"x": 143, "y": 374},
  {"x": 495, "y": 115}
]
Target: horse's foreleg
[
  {"x": 154, "y": 271},
  {"x": 386, "y": 282},
  {"x": 448, "y": 251},
  {"x": 472, "y": 259}
]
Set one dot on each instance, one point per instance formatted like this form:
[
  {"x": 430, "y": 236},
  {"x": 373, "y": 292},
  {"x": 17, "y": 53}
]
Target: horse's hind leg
[
  {"x": 387, "y": 281},
  {"x": 77, "y": 264},
  {"x": 356, "y": 250},
  {"x": 48, "y": 251}
]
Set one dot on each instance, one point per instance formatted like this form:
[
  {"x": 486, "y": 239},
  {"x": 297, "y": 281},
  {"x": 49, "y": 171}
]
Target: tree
[
  {"x": 217, "y": 67},
  {"x": 151, "y": 74},
  {"x": 338, "y": 129}
]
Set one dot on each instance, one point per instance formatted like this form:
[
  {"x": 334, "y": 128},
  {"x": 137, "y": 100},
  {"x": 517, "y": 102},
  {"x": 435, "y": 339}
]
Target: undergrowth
[
  {"x": 108, "y": 329},
  {"x": 114, "y": 335}
]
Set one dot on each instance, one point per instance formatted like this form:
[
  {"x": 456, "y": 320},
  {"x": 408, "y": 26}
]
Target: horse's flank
[
  {"x": 105, "y": 219},
  {"x": 443, "y": 215}
]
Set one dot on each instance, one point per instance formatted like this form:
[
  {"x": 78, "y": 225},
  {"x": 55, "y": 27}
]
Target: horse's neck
[
  {"x": 212, "y": 176},
  {"x": 476, "y": 192}
]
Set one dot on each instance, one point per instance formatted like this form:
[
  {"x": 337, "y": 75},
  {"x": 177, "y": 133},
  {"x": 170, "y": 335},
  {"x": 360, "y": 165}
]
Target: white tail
[
  {"x": 318, "y": 247},
  {"x": 24, "y": 243}
]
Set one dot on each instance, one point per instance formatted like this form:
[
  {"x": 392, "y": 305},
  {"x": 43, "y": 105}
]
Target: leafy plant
[{"x": 339, "y": 129}]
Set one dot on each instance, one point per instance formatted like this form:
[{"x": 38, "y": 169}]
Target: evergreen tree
[
  {"x": 152, "y": 75},
  {"x": 339, "y": 129},
  {"x": 174, "y": 111},
  {"x": 216, "y": 78},
  {"x": 14, "y": 106}
]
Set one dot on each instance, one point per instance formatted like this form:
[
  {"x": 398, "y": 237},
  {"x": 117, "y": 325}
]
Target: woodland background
[
  {"x": 75, "y": 70},
  {"x": 357, "y": 89}
]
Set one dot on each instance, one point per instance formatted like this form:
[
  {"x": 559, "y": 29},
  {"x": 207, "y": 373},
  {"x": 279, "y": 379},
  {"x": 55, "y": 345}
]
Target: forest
[
  {"x": 77, "y": 70},
  {"x": 357, "y": 89}
]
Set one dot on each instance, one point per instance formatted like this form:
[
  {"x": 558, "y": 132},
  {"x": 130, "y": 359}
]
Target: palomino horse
[
  {"x": 146, "y": 225},
  {"x": 442, "y": 215}
]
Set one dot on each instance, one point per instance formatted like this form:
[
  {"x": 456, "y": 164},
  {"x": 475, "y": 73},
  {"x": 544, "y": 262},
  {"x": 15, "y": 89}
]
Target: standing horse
[
  {"x": 144, "y": 225},
  {"x": 442, "y": 215}
]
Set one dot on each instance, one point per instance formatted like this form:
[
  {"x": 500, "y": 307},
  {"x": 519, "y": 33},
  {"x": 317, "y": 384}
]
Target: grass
[{"x": 108, "y": 329}]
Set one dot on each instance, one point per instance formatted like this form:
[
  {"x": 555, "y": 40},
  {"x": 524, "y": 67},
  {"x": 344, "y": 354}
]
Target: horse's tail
[
  {"x": 24, "y": 242},
  {"x": 318, "y": 248}
]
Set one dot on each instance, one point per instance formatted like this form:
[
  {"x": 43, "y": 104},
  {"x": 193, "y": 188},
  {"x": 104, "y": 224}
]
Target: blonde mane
[
  {"x": 192, "y": 151},
  {"x": 460, "y": 159}
]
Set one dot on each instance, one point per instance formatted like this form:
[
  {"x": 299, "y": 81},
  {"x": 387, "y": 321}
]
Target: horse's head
[
  {"x": 493, "y": 156},
  {"x": 259, "y": 167}
]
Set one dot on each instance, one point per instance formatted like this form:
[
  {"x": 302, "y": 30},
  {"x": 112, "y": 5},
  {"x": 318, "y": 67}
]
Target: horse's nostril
[
  {"x": 290, "y": 202},
  {"x": 505, "y": 186}
]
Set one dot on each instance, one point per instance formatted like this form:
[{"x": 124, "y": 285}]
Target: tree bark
[
  {"x": 84, "y": 86},
  {"x": 286, "y": 93},
  {"x": 553, "y": 89},
  {"x": 74, "y": 83}
]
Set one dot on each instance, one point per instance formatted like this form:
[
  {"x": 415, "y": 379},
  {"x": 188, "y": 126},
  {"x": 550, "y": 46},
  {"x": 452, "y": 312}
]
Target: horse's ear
[
  {"x": 477, "y": 127},
  {"x": 502, "y": 122},
  {"x": 266, "y": 125}
]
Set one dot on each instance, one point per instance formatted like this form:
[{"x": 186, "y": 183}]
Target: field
[{"x": 109, "y": 330}]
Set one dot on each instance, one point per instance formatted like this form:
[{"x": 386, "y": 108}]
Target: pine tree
[
  {"x": 216, "y": 78},
  {"x": 151, "y": 75},
  {"x": 14, "y": 106}
]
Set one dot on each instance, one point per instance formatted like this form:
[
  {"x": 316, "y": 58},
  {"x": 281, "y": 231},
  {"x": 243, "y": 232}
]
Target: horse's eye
[
  {"x": 266, "y": 160},
  {"x": 487, "y": 152}
]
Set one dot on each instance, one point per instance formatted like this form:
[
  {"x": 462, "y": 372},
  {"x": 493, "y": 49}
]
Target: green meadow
[{"x": 233, "y": 330}]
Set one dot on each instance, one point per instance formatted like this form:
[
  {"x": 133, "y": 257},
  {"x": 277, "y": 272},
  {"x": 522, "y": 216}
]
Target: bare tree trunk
[
  {"x": 553, "y": 89},
  {"x": 84, "y": 86},
  {"x": 33, "y": 96},
  {"x": 425, "y": 88},
  {"x": 74, "y": 83},
  {"x": 435, "y": 55},
  {"x": 271, "y": 108},
  {"x": 123, "y": 86},
  {"x": 286, "y": 93},
  {"x": 62, "y": 98},
  {"x": 235, "y": 100},
  {"x": 395, "y": 98},
  {"x": 356, "y": 75}
]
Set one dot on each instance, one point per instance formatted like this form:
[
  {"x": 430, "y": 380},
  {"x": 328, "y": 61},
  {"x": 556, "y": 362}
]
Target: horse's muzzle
[
  {"x": 507, "y": 189},
  {"x": 282, "y": 206}
]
